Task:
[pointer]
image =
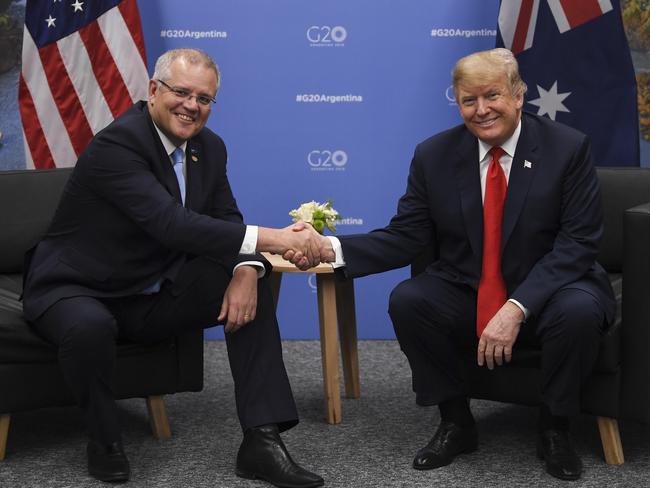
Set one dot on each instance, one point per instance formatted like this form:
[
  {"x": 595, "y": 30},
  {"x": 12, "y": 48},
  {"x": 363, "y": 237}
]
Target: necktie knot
[
  {"x": 177, "y": 156},
  {"x": 496, "y": 152}
]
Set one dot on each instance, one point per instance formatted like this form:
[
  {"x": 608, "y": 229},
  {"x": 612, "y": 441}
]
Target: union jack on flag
[
  {"x": 518, "y": 18},
  {"x": 574, "y": 57},
  {"x": 83, "y": 64}
]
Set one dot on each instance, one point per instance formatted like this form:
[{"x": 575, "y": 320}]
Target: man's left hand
[
  {"x": 240, "y": 300},
  {"x": 495, "y": 344}
]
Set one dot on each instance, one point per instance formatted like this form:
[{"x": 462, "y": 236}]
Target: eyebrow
[{"x": 184, "y": 88}]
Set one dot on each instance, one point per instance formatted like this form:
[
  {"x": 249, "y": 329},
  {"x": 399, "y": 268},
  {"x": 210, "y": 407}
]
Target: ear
[
  {"x": 519, "y": 101},
  {"x": 152, "y": 90}
]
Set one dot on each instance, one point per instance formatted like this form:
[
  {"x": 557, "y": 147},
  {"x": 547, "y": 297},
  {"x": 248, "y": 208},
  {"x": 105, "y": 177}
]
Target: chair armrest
[{"x": 635, "y": 331}]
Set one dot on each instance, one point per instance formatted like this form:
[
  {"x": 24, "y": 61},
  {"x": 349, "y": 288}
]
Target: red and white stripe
[
  {"x": 71, "y": 89},
  {"x": 517, "y": 20},
  {"x": 572, "y": 13}
]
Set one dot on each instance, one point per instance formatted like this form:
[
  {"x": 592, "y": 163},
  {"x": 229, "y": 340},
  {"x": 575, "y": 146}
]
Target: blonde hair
[
  {"x": 191, "y": 56},
  {"x": 485, "y": 66}
]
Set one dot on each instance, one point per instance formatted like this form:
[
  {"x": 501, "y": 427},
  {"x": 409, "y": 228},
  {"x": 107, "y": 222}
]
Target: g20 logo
[
  {"x": 327, "y": 158},
  {"x": 450, "y": 95},
  {"x": 311, "y": 282},
  {"x": 325, "y": 34}
]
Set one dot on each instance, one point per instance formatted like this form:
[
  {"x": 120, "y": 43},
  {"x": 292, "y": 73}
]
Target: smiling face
[
  {"x": 181, "y": 119},
  {"x": 490, "y": 111}
]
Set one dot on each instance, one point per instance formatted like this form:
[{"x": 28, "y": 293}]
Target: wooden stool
[{"x": 335, "y": 304}]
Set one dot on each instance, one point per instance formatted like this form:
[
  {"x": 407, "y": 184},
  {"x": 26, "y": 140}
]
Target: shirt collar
[
  {"x": 509, "y": 146},
  {"x": 167, "y": 144}
]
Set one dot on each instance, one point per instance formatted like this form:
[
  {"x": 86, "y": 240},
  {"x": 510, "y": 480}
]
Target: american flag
[{"x": 83, "y": 64}]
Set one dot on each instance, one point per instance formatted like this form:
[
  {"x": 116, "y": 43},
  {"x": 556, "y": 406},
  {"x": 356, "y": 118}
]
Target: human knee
[
  {"x": 405, "y": 298},
  {"x": 90, "y": 334},
  {"x": 579, "y": 315}
]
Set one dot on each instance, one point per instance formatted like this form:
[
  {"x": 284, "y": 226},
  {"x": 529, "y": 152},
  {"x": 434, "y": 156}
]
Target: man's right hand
[
  {"x": 300, "y": 238},
  {"x": 326, "y": 252}
]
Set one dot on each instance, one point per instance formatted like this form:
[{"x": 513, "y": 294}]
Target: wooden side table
[{"x": 335, "y": 305}]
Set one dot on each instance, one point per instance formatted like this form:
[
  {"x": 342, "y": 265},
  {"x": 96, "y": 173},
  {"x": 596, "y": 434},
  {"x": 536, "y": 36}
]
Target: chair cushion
[
  {"x": 28, "y": 200},
  {"x": 20, "y": 345}
]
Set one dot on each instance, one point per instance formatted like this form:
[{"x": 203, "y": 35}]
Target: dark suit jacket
[
  {"x": 552, "y": 218},
  {"x": 120, "y": 226}
]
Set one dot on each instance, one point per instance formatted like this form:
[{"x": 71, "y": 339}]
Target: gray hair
[
  {"x": 191, "y": 56},
  {"x": 485, "y": 66}
]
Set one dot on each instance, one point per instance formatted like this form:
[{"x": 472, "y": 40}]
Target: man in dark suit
[
  {"x": 148, "y": 242},
  {"x": 511, "y": 203}
]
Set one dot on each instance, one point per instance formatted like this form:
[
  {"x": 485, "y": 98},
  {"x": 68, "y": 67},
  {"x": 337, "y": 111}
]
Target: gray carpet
[{"x": 372, "y": 447}]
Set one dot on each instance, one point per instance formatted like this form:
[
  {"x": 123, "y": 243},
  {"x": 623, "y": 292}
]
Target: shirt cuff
[
  {"x": 523, "y": 309},
  {"x": 261, "y": 270},
  {"x": 250, "y": 240},
  {"x": 339, "y": 262}
]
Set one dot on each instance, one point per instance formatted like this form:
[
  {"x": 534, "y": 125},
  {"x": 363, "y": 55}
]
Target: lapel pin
[
  {"x": 194, "y": 156},
  {"x": 528, "y": 164}
]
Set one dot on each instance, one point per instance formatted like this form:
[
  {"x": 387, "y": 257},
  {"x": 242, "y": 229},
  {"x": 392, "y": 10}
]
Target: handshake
[{"x": 298, "y": 243}]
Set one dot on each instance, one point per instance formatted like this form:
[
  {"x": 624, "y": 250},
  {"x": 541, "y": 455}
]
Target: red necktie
[{"x": 491, "y": 288}]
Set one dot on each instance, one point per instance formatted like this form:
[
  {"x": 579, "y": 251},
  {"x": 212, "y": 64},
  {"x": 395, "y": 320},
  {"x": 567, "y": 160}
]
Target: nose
[
  {"x": 191, "y": 102},
  {"x": 482, "y": 106}
]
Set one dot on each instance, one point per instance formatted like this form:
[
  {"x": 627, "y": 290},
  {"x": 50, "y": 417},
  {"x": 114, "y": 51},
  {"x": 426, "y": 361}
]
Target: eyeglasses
[{"x": 184, "y": 94}]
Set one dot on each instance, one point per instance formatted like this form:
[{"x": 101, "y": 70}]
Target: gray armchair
[{"x": 29, "y": 373}]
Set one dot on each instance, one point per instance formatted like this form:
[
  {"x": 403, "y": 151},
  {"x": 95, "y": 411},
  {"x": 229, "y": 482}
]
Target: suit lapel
[
  {"x": 525, "y": 164},
  {"x": 194, "y": 159},
  {"x": 469, "y": 188},
  {"x": 161, "y": 163}
]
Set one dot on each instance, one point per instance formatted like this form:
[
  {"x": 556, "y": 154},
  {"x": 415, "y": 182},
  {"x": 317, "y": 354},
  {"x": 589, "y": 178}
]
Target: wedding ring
[{"x": 246, "y": 316}]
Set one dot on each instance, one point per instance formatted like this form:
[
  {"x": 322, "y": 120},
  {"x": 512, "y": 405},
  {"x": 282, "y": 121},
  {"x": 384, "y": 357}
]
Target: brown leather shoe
[{"x": 449, "y": 441}]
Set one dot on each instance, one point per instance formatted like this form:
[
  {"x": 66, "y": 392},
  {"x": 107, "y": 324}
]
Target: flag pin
[{"x": 528, "y": 164}]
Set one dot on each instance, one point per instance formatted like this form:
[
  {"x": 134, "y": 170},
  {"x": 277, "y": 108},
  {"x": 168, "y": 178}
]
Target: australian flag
[{"x": 574, "y": 57}]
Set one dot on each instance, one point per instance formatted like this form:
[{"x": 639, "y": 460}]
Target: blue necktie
[{"x": 177, "y": 157}]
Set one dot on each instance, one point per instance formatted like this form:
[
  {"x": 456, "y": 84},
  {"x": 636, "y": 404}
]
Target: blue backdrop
[
  {"x": 319, "y": 99},
  {"x": 326, "y": 100}
]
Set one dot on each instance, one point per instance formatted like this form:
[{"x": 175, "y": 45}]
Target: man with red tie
[{"x": 510, "y": 202}]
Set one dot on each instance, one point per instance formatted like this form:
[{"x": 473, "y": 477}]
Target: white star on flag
[
  {"x": 550, "y": 102},
  {"x": 77, "y": 5},
  {"x": 50, "y": 21}
]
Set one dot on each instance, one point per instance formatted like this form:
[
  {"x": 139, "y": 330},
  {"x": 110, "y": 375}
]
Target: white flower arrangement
[{"x": 319, "y": 215}]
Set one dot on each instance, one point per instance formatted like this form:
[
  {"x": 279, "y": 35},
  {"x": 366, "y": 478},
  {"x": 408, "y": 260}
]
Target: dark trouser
[
  {"x": 435, "y": 319},
  {"x": 86, "y": 330}
]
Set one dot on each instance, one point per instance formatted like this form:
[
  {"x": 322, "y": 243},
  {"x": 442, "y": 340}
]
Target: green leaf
[{"x": 319, "y": 225}]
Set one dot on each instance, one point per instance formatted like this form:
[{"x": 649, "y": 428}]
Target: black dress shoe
[
  {"x": 108, "y": 463},
  {"x": 554, "y": 447},
  {"x": 449, "y": 440},
  {"x": 262, "y": 455}
]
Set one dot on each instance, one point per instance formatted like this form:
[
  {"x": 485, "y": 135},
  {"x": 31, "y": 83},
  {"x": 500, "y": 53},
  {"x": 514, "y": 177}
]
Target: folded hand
[{"x": 239, "y": 304}]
